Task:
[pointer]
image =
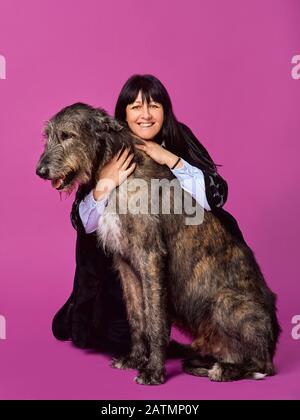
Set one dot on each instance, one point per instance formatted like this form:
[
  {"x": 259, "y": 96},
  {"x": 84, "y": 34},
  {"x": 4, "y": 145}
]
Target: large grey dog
[{"x": 197, "y": 276}]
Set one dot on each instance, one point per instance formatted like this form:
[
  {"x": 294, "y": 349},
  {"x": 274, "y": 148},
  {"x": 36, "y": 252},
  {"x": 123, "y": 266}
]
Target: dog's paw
[
  {"x": 215, "y": 374},
  {"x": 131, "y": 361},
  {"x": 150, "y": 378},
  {"x": 123, "y": 363}
]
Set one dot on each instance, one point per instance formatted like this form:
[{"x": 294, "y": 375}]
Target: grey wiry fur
[{"x": 199, "y": 277}]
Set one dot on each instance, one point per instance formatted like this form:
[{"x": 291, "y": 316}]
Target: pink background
[{"x": 227, "y": 66}]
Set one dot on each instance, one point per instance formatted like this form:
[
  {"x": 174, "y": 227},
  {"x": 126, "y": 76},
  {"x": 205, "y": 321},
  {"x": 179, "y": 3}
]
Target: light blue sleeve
[
  {"x": 192, "y": 180},
  {"x": 90, "y": 210}
]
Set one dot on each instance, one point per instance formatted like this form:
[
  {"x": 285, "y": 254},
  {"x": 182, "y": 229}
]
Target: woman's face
[{"x": 145, "y": 120}]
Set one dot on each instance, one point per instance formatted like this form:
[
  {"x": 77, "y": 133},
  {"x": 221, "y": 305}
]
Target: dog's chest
[
  {"x": 110, "y": 227},
  {"x": 130, "y": 199}
]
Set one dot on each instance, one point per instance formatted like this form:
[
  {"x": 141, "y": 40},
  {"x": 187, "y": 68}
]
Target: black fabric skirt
[{"x": 95, "y": 315}]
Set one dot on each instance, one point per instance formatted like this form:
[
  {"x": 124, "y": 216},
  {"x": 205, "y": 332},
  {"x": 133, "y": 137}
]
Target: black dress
[{"x": 94, "y": 316}]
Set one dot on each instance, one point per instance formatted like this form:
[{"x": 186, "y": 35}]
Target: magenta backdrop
[{"x": 227, "y": 66}]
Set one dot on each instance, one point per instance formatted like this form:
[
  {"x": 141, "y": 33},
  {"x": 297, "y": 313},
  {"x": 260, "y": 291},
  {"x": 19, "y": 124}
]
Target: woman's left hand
[{"x": 158, "y": 153}]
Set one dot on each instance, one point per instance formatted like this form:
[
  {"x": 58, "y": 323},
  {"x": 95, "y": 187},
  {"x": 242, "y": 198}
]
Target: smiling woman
[{"x": 95, "y": 312}]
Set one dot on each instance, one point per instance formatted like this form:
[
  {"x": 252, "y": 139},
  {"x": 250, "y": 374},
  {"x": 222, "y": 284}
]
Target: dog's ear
[{"x": 107, "y": 123}]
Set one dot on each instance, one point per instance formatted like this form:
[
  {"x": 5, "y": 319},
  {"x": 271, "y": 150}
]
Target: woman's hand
[
  {"x": 114, "y": 173},
  {"x": 159, "y": 154}
]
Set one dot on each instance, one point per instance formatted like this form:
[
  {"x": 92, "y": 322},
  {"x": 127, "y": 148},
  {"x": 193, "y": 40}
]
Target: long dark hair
[{"x": 178, "y": 138}]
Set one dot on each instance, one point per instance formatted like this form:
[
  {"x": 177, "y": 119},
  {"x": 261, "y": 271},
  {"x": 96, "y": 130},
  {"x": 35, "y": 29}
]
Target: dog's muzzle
[{"x": 43, "y": 171}]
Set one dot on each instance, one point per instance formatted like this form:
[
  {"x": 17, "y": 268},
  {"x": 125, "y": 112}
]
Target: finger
[
  {"x": 120, "y": 152},
  {"x": 127, "y": 161},
  {"x": 123, "y": 157},
  {"x": 117, "y": 155},
  {"x": 123, "y": 150},
  {"x": 130, "y": 169},
  {"x": 138, "y": 140}
]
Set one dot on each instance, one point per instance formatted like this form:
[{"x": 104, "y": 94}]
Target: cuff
[
  {"x": 180, "y": 171},
  {"x": 92, "y": 203},
  {"x": 187, "y": 169}
]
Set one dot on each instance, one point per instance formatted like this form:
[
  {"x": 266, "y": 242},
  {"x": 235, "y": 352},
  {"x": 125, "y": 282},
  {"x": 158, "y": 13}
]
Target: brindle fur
[{"x": 198, "y": 277}]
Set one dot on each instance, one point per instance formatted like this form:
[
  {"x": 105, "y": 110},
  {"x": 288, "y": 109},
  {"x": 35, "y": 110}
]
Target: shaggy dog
[{"x": 196, "y": 276}]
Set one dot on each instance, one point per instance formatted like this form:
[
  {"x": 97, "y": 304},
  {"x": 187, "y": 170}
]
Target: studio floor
[{"x": 34, "y": 365}]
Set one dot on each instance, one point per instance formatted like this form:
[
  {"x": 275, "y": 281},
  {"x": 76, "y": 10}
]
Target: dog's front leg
[
  {"x": 133, "y": 295},
  {"x": 151, "y": 270}
]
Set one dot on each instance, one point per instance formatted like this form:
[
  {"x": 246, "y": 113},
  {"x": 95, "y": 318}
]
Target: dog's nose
[{"x": 43, "y": 172}]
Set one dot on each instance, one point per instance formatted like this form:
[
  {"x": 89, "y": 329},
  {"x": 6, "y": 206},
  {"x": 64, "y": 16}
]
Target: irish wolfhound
[{"x": 196, "y": 276}]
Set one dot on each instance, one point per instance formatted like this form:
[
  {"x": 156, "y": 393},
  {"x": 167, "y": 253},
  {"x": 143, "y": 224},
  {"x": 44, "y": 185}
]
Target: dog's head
[{"x": 79, "y": 138}]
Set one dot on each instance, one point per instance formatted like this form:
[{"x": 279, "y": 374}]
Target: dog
[{"x": 197, "y": 276}]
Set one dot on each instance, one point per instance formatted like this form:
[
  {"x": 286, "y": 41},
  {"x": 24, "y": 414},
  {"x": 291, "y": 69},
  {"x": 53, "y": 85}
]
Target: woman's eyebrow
[{"x": 140, "y": 102}]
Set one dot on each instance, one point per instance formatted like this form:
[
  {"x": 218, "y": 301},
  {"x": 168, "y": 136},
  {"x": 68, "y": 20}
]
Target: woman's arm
[
  {"x": 208, "y": 188},
  {"x": 201, "y": 179},
  {"x": 74, "y": 215},
  {"x": 192, "y": 180},
  {"x": 90, "y": 211},
  {"x": 90, "y": 207},
  {"x": 196, "y": 154}
]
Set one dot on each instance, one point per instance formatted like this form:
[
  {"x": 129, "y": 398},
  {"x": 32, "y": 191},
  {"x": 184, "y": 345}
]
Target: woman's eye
[
  {"x": 154, "y": 106},
  {"x": 135, "y": 107}
]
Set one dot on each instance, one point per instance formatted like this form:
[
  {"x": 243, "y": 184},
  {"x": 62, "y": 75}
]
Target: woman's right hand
[{"x": 114, "y": 173}]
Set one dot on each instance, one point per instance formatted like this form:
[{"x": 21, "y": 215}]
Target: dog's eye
[{"x": 65, "y": 136}]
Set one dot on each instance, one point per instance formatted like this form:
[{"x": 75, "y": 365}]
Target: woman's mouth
[{"x": 146, "y": 125}]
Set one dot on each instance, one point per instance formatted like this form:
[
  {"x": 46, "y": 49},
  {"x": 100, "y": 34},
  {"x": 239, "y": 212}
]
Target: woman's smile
[{"x": 145, "y": 125}]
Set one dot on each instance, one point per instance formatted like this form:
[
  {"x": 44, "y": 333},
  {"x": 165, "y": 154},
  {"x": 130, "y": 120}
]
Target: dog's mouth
[{"x": 61, "y": 183}]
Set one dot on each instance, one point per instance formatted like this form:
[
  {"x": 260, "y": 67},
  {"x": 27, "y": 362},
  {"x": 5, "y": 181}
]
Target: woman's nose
[{"x": 146, "y": 112}]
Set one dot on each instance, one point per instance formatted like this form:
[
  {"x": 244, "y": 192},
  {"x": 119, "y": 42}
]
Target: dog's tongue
[{"x": 56, "y": 183}]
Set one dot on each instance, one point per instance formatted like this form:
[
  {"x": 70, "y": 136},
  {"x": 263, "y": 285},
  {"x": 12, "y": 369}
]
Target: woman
[{"x": 95, "y": 313}]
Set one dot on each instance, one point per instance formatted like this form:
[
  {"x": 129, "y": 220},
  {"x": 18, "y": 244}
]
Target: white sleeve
[
  {"x": 90, "y": 211},
  {"x": 191, "y": 180}
]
